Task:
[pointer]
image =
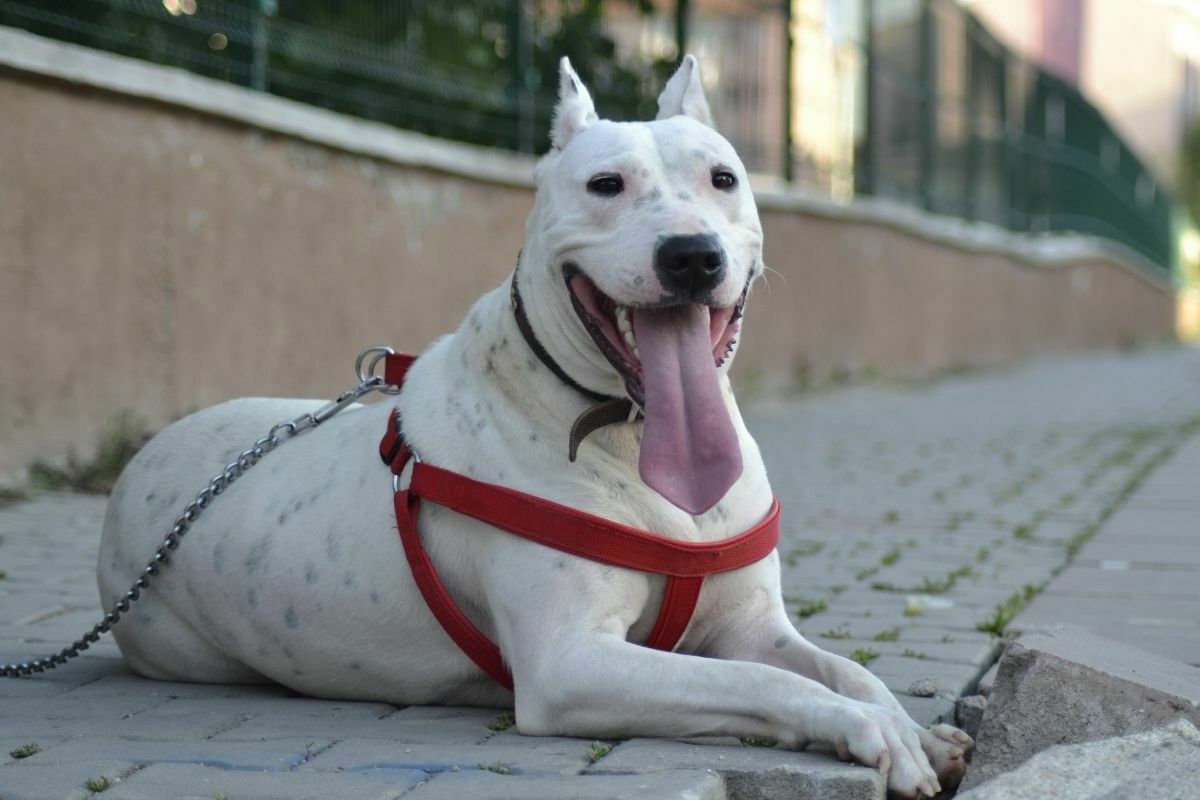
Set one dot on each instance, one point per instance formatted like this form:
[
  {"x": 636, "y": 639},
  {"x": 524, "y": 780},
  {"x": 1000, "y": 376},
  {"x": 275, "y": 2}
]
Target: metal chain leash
[{"x": 280, "y": 433}]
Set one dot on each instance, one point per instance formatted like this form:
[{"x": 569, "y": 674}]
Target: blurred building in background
[{"x": 996, "y": 111}]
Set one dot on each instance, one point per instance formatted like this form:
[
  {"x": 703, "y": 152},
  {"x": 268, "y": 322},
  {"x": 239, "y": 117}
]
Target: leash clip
[{"x": 366, "y": 370}]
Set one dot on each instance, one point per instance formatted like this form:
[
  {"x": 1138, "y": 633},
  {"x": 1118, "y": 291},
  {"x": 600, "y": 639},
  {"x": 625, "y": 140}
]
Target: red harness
[{"x": 685, "y": 564}]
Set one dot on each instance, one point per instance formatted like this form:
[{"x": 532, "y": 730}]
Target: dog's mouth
[
  {"x": 614, "y": 327},
  {"x": 668, "y": 357}
]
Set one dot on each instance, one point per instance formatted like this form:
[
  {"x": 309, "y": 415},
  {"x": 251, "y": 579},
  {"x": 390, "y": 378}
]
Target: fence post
[
  {"x": 262, "y": 44},
  {"x": 789, "y": 165},
  {"x": 681, "y": 29},
  {"x": 519, "y": 60},
  {"x": 865, "y": 165},
  {"x": 927, "y": 81},
  {"x": 971, "y": 173}
]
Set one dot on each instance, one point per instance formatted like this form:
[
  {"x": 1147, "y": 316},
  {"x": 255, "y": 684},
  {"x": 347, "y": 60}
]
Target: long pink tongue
[{"x": 690, "y": 453}]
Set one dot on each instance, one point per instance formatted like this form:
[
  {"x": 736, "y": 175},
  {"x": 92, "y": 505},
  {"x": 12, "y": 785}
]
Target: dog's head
[{"x": 642, "y": 246}]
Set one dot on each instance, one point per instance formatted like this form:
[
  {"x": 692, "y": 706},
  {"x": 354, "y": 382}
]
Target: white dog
[{"x": 642, "y": 243}]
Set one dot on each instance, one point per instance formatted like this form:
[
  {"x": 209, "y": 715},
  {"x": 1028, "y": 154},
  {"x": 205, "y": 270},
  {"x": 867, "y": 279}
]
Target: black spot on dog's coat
[{"x": 652, "y": 196}]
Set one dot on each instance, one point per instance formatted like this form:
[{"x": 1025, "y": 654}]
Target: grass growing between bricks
[
  {"x": 757, "y": 741},
  {"x": 10, "y": 495},
  {"x": 98, "y": 784},
  {"x": 123, "y": 437},
  {"x": 864, "y": 655},
  {"x": 597, "y": 751},
  {"x": 498, "y": 768},
  {"x": 25, "y": 751},
  {"x": 1004, "y": 613},
  {"x": 836, "y": 633},
  {"x": 809, "y": 607},
  {"x": 889, "y": 635},
  {"x": 502, "y": 722},
  {"x": 927, "y": 585}
]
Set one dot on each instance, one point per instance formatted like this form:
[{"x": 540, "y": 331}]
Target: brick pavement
[
  {"x": 1138, "y": 580},
  {"x": 913, "y": 515}
]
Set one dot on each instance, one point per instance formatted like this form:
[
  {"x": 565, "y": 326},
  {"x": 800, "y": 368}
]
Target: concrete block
[
  {"x": 277, "y": 755},
  {"x": 949, "y": 678},
  {"x": 1067, "y": 685},
  {"x": 128, "y": 683},
  {"x": 22, "y": 780},
  {"x": 988, "y": 680},
  {"x": 1163, "y": 625},
  {"x": 751, "y": 773},
  {"x": 177, "y": 781},
  {"x": 480, "y": 785},
  {"x": 1162, "y": 763},
  {"x": 969, "y": 713},
  {"x": 928, "y": 710},
  {"x": 347, "y": 720},
  {"x": 534, "y": 755}
]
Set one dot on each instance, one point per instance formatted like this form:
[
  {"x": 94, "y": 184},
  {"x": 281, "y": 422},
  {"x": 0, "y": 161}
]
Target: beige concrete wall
[{"x": 159, "y": 254}]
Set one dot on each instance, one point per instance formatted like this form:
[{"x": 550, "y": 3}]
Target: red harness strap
[{"x": 560, "y": 527}]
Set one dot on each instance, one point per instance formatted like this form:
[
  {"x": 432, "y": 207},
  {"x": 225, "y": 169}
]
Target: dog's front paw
[
  {"x": 886, "y": 740},
  {"x": 946, "y": 747}
]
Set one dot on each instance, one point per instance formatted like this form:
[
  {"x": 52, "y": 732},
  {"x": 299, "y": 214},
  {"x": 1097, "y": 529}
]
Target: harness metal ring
[{"x": 367, "y": 373}]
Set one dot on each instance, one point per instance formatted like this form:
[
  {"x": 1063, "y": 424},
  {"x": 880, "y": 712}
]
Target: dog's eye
[
  {"x": 606, "y": 185},
  {"x": 723, "y": 179}
]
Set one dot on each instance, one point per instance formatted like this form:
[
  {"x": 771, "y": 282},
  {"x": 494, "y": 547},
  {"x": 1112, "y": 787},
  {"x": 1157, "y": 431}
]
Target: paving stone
[
  {"x": 900, "y": 673},
  {"x": 179, "y": 781},
  {"x": 1162, "y": 763},
  {"x": 127, "y": 683},
  {"x": 481, "y": 785},
  {"x": 969, "y": 713},
  {"x": 275, "y": 755},
  {"x": 928, "y": 710},
  {"x": 750, "y": 772},
  {"x": 1068, "y": 685},
  {"x": 534, "y": 755},
  {"x": 23, "y": 780},
  {"x": 988, "y": 680},
  {"x": 51, "y": 717},
  {"x": 966, "y": 652},
  {"x": 1168, "y": 627},
  {"x": 280, "y": 719}
]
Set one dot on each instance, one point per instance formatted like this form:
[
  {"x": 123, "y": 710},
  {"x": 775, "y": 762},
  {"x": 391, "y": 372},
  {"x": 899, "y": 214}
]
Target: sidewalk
[
  {"x": 914, "y": 517},
  {"x": 1138, "y": 580}
]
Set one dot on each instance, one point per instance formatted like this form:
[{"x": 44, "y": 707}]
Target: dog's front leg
[
  {"x": 760, "y": 631},
  {"x": 575, "y": 675},
  {"x": 600, "y": 685}
]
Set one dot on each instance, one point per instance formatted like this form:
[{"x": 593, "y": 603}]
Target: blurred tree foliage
[
  {"x": 482, "y": 71},
  {"x": 1189, "y": 170}
]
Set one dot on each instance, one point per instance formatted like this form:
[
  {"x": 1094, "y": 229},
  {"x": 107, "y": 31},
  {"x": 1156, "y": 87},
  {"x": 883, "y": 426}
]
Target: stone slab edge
[
  {"x": 1115, "y": 659},
  {"x": 29, "y": 53}
]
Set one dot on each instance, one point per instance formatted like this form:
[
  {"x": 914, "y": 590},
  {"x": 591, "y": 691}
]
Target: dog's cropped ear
[
  {"x": 575, "y": 110},
  {"x": 684, "y": 94}
]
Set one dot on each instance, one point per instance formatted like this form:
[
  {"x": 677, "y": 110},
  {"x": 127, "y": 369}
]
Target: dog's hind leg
[{"x": 156, "y": 644}]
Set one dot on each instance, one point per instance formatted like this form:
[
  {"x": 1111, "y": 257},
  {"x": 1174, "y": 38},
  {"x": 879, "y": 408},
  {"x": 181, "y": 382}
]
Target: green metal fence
[
  {"x": 962, "y": 126},
  {"x": 927, "y": 107}
]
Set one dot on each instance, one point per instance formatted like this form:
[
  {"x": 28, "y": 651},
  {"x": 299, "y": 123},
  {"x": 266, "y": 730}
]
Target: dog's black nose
[{"x": 692, "y": 265}]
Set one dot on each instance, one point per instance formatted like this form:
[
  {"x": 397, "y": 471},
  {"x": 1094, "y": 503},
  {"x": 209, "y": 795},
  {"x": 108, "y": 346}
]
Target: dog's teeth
[
  {"x": 623, "y": 323},
  {"x": 626, "y": 328}
]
